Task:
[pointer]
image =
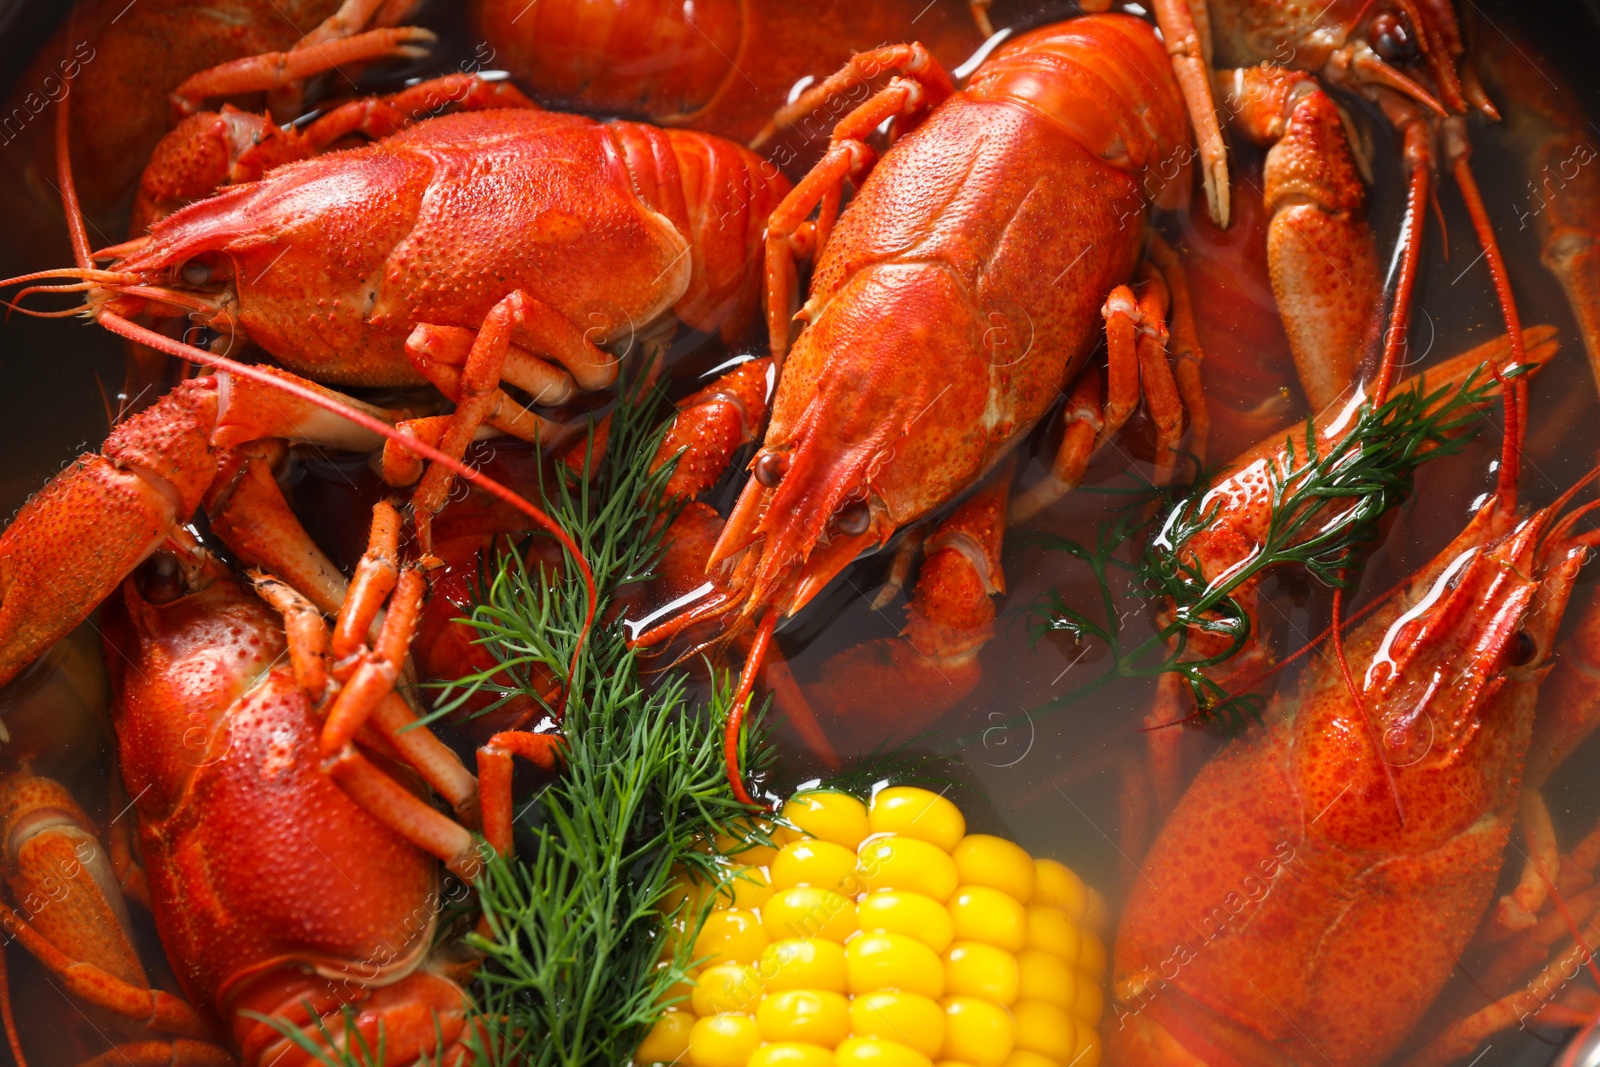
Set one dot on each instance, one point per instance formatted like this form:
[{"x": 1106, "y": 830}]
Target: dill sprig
[
  {"x": 617, "y": 514},
  {"x": 575, "y": 930},
  {"x": 571, "y": 974},
  {"x": 1324, "y": 512}
]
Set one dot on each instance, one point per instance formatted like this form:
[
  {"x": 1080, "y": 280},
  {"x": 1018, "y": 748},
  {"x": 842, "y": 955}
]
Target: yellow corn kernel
[
  {"x": 726, "y": 987},
  {"x": 1051, "y": 931},
  {"x": 756, "y": 855},
  {"x": 667, "y": 1040},
  {"x": 802, "y": 963},
  {"x": 805, "y": 1015},
  {"x": 828, "y": 816},
  {"x": 901, "y": 862},
  {"x": 983, "y": 859},
  {"x": 900, "y": 911},
  {"x": 1045, "y": 1029},
  {"x": 1043, "y": 976},
  {"x": 813, "y": 863},
  {"x": 810, "y": 911},
  {"x": 892, "y": 961},
  {"x": 731, "y": 936},
  {"x": 1090, "y": 1003},
  {"x": 877, "y": 1052},
  {"x": 1092, "y": 956},
  {"x": 973, "y": 969},
  {"x": 951, "y": 1063},
  {"x": 977, "y": 1032},
  {"x": 908, "y": 1017},
  {"x": 917, "y": 813},
  {"x": 1088, "y": 1051},
  {"x": 1023, "y": 1058},
  {"x": 791, "y": 1054},
  {"x": 723, "y": 1041},
  {"x": 1058, "y": 886},
  {"x": 988, "y": 915},
  {"x": 746, "y": 888}
]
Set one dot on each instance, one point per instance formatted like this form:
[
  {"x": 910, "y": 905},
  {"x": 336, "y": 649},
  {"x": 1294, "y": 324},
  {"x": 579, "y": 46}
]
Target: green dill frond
[
  {"x": 575, "y": 965},
  {"x": 617, "y": 514},
  {"x": 575, "y": 931},
  {"x": 1325, "y": 508}
]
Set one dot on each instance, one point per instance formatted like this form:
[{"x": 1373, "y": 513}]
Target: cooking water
[{"x": 1059, "y": 774}]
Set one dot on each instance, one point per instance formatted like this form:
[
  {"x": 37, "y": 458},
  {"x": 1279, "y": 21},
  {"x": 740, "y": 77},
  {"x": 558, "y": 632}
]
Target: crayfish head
[
  {"x": 168, "y": 279},
  {"x": 143, "y": 278},
  {"x": 183, "y": 627},
  {"x": 1428, "y": 726},
  {"x": 1480, "y": 620},
  {"x": 1410, "y": 48},
  {"x": 788, "y": 538}
]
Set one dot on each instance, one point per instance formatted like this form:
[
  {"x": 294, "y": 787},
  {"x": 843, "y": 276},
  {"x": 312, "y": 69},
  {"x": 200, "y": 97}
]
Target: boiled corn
[{"x": 886, "y": 935}]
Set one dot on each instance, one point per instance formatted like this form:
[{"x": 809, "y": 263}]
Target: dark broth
[{"x": 1052, "y": 780}]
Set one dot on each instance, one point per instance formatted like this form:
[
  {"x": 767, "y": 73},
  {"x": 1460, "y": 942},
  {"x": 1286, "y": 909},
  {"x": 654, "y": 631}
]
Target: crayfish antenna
[
  {"x": 12, "y": 1037},
  {"x": 1458, "y": 150},
  {"x": 82, "y": 279},
  {"x": 69, "y": 188},
  {"x": 741, "y": 701}
]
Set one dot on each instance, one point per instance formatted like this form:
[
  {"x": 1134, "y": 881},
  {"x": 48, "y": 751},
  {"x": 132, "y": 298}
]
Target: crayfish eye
[
  {"x": 771, "y": 468},
  {"x": 853, "y": 519},
  {"x": 1522, "y": 651},
  {"x": 1392, "y": 38},
  {"x": 197, "y": 272}
]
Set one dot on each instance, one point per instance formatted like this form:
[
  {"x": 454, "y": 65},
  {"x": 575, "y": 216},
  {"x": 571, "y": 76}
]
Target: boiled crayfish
[
  {"x": 1365, "y": 826},
  {"x": 274, "y": 891},
  {"x": 480, "y": 247},
  {"x": 895, "y": 398}
]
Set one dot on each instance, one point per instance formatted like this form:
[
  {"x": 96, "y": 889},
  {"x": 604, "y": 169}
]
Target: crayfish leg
[
  {"x": 1323, "y": 259},
  {"x": 1140, "y": 360},
  {"x": 81, "y": 934},
  {"x": 366, "y": 696},
  {"x": 920, "y": 85},
  {"x": 277, "y": 70},
  {"x": 933, "y": 665},
  {"x": 494, "y": 778},
  {"x": 1186, "y": 26},
  {"x": 475, "y": 386},
  {"x": 249, "y": 513}
]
